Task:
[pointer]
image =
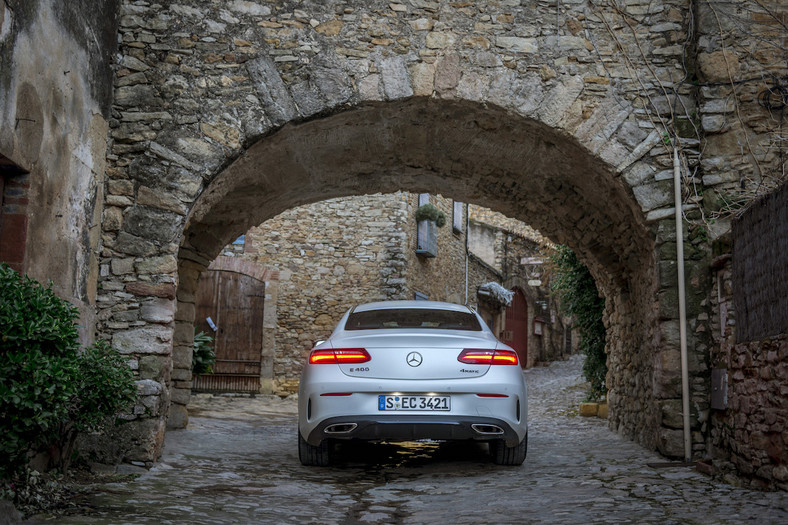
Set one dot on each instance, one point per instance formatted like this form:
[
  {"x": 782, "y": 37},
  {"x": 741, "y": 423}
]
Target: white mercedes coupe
[{"x": 409, "y": 371}]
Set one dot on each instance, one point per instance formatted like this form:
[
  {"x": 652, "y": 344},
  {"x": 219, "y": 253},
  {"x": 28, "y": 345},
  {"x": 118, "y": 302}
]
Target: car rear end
[{"x": 441, "y": 381}]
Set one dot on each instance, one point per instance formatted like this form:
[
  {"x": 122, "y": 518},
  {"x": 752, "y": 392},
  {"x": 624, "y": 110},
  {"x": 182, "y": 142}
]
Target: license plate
[{"x": 414, "y": 403}]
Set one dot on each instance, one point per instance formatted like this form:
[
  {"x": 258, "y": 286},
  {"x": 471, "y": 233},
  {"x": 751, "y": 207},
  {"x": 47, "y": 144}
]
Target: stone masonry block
[
  {"x": 182, "y": 358},
  {"x": 144, "y": 340},
  {"x": 670, "y": 443},
  {"x": 271, "y": 89},
  {"x": 151, "y": 366},
  {"x": 160, "y": 311},
  {"x": 178, "y": 417},
  {"x": 396, "y": 80},
  {"x": 180, "y": 395}
]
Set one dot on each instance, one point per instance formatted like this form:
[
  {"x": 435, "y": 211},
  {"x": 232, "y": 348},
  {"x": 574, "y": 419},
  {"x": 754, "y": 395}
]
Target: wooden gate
[
  {"x": 234, "y": 302},
  {"x": 517, "y": 326}
]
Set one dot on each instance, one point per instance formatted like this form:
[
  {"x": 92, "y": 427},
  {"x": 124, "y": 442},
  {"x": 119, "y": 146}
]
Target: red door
[{"x": 517, "y": 325}]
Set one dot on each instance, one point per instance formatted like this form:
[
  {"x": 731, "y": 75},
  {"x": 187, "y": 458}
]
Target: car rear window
[{"x": 412, "y": 318}]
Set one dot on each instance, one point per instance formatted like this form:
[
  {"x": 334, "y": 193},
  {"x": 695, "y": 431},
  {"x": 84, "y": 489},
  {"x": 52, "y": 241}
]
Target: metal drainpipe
[
  {"x": 467, "y": 232},
  {"x": 685, "y": 405}
]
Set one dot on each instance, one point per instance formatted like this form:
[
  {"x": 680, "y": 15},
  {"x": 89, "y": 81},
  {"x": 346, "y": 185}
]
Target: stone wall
[
  {"x": 337, "y": 253},
  {"x": 490, "y": 217},
  {"x": 747, "y": 442},
  {"x": 741, "y": 76},
  {"x": 331, "y": 255},
  {"x": 440, "y": 278}
]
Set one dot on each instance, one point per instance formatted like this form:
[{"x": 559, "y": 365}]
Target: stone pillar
[
  {"x": 189, "y": 271},
  {"x": 667, "y": 360}
]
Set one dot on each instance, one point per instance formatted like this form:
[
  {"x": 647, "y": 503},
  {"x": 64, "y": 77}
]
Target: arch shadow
[{"x": 471, "y": 152}]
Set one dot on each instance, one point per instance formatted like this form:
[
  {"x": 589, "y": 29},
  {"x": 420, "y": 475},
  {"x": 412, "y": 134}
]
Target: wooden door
[
  {"x": 517, "y": 325},
  {"x": 234, "y": 303}
]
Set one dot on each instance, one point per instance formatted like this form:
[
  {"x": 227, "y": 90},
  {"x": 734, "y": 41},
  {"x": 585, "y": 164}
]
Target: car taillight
[
  {"x": 476, "y": 356},
  {"x": 491, "y": 395},
  {"x": 338, "y": 356}
]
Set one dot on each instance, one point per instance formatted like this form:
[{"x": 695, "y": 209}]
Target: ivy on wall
[{"x": 578, "y": 296}]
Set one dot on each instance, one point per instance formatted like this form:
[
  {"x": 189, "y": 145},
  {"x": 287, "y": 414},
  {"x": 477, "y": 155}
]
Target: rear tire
[
  {"x": 511, "y": 456},
  {"x": 314, "y": 456}
]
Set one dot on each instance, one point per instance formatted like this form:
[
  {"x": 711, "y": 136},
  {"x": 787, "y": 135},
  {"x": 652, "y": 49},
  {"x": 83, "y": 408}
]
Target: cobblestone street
[{"x": 237, "y": 463}]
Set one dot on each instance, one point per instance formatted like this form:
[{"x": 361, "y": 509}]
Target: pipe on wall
[{"x": 685, "y": 408}]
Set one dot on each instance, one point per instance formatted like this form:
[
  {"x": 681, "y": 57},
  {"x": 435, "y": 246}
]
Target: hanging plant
[{"x": 429, "y": 212}]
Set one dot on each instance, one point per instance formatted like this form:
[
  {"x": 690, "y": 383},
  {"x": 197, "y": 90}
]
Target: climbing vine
[{"x": 578, "y": 296}]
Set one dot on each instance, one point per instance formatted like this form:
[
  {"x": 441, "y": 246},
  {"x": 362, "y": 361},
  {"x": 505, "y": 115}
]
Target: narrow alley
[{"x": 237, "y": 463}]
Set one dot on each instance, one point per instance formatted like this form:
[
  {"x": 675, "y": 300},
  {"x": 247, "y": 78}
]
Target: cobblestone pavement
[{"x": 237, "y": 463}]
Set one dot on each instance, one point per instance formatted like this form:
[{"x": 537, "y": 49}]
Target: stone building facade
[
  {"x": 334, "y": 254},
  {"x": 748, "y": 417},
  {"x": 156, "y": 133}
]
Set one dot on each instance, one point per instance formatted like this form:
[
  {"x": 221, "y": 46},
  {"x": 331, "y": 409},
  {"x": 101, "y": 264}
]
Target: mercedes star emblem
[{"x": 414, "y": 359}]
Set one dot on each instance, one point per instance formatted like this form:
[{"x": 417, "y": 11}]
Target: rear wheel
[
  {"x": 314, "y": 456},
  {"x": 512, "y": 456}
]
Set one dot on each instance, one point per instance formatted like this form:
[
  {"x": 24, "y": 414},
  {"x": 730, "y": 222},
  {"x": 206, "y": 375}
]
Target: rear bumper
[{"x": 413, "y": 427}]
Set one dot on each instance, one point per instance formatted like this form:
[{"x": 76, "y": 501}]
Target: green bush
[
  {"x": 49, "y": 388},
  {"x": 579, "y": 297},
  {"x": 204, "y": 357},
  {"x": 430, "y": 212}
]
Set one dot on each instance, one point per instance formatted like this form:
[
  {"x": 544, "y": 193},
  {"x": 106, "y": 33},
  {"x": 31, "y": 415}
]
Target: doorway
[
  {"x": 517, "y": 325},
  {"x": 230, "y": 308}
]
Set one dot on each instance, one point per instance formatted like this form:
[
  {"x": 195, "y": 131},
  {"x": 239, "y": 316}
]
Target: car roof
[{"x": 389, "y": 305}]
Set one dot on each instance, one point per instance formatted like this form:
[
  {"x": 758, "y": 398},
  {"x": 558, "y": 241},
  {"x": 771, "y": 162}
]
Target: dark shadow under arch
[{"x": 467, "y": 151}]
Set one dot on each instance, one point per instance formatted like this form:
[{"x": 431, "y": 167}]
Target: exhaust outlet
[
  {"x": 487, "y": 429},
  {"x": 340, "y": 428}
]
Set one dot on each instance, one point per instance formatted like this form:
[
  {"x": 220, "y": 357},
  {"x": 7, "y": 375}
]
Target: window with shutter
[
  {"x": 426, "y": 233},
  {"x": 456, "y": 218},
  {"x": 427, "y": 239}
]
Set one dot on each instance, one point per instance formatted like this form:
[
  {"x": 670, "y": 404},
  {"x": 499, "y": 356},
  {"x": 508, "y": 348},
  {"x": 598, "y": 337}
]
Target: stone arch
[
  {"x": 530, "y": 127},
  {"x": 468, "y": 151}
]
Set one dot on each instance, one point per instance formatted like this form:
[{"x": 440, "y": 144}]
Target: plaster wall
[{"x": 55, "y": 90}]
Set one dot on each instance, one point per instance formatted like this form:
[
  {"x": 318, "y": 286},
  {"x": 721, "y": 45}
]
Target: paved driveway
[{"x": 237, "y": 463}]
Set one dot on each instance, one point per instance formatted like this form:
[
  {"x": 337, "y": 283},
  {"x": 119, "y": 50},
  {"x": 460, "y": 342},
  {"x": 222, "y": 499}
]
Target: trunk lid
[{"x": 431, "y": 355}]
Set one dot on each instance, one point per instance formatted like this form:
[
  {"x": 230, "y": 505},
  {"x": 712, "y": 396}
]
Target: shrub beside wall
[{"x": 50, "y": 389}]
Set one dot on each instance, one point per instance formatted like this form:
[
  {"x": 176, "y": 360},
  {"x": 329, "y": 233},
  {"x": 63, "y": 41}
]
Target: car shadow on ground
[{"x": 416, "y": 454}]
